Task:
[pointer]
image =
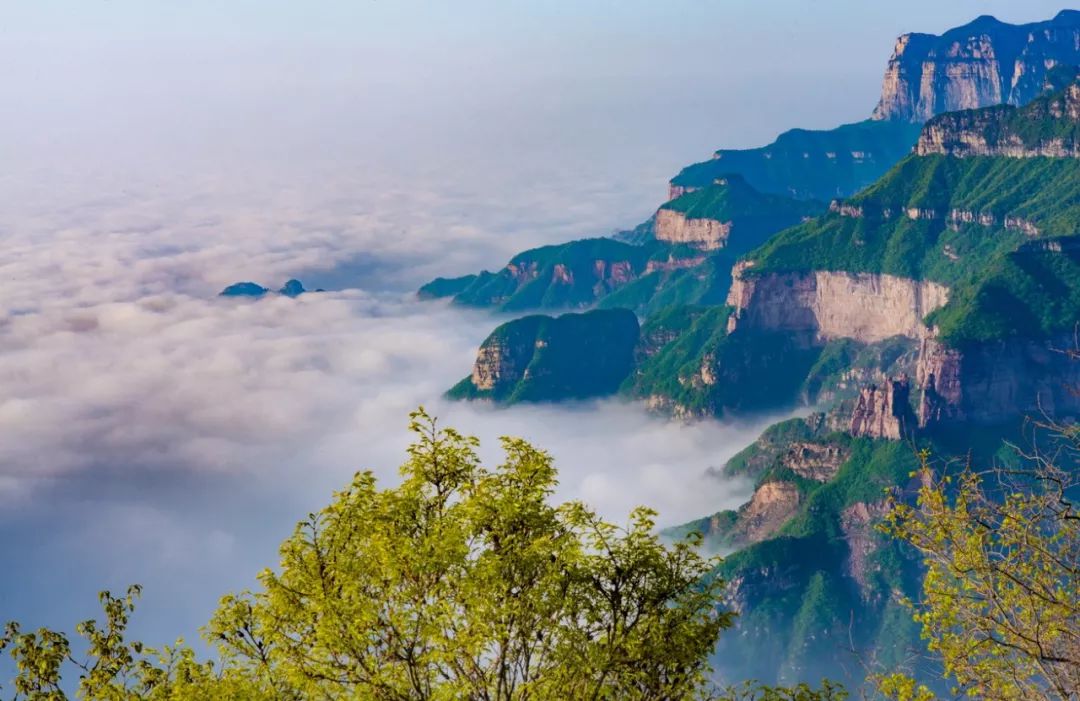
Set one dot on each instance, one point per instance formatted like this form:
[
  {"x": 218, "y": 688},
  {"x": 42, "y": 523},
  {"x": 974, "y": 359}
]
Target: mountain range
[{"x": 913, "y": 278}]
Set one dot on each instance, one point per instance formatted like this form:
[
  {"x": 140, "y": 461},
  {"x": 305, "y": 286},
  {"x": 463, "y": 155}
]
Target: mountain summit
[{"x": 985, "y": 62}]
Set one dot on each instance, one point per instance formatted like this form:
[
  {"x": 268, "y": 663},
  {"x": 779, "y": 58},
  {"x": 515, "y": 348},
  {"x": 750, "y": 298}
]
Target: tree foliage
[
  {"x": 1001, "y": 594},
  {"x": 462, "y": 582}
]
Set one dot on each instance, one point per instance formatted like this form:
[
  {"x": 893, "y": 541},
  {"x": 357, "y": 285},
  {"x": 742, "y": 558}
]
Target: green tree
[
  {"x": 462, "y": 582},
  {"x": 465, "y": 582},
  {"x": 1000, "y": 600}
]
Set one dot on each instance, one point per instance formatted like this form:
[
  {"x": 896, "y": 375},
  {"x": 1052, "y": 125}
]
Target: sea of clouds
[
  {"x": 157, "y": 433},
  {"x": 154, "y": 432}
]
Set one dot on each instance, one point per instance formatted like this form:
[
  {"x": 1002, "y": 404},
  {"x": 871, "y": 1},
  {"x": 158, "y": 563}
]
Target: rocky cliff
[
  {"x": 826, "y": 305},
  {"x": 883, "y": 411},
  {"x": 705, "y": 234},
  {"x": 997, "y": 382},
  {"x": 986, "y": 62},
  {"x": 1048, "y": 127},
  {"x": 564, "y": 276},
  {"x": 728, "y": 213},
  {"x": 543, "y": 358}
]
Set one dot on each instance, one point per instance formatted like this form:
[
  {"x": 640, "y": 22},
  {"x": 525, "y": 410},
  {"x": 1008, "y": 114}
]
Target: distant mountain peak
[{"x": 985, "y": 62}]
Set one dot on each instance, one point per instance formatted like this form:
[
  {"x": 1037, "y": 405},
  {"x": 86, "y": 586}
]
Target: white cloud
[{"x": 157, "y": 433}]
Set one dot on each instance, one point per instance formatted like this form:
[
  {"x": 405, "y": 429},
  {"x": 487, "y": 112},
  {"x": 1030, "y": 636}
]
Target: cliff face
[
  {"x": 542, "y": 358},
  {"x": 831, "y": 305},
  {"x": 994, "y": 382},
  {"x": 728, "y": 213},
  {"x": 815, "y": 461},
  {"x": 883, "y": 411},
  {"x": 564, "y": 276},
  {"x": 984, "y": 63},
  {"x": 704, "y": 234},
  {"x": 1047, "y": 127},
  {"x": 770, "y": 508}
]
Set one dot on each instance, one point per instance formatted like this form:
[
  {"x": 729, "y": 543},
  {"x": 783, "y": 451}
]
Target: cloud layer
[{"x": 156, "y": 433}]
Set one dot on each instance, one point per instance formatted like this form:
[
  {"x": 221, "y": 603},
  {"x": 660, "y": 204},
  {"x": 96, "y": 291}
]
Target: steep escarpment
[
  {"x": 682, "y": 256},
  {"x": 728, "y": 213},
  {"x": 541, "y": 358},
  {"x": 983, "y": 63},
  {"x": 970, "y": 250},
  {"x": 563, "y": 276},
  {"x": 830, "y": 305},
  {"x": 583, "y": 273},
  {"x": 808, "y": 164},
  {"x": 1047, "y": 127},
  {"x": 813, "y": 579}
]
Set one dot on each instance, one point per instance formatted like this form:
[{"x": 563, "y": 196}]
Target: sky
[{"x": 157, "y": 151}]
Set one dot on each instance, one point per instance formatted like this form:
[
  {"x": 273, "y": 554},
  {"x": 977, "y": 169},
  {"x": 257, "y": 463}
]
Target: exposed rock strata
[
  {"x": 677, "y": 191},
  {"x": 772, "y": 505},
  {"x": 816, "y": 461},
  {"x": 883, "y": 411},
  {"x": 672, "y": 264},
  {"x": 993, "y": 132},
  {"x": 984, "y": 63},
  {"x": 954, "y": 217},
  {"x": 858, "y": 525},
  {"x": 705, "y": 234},
  {"x": 501, "y": 362},
  {"x": 995, "y": 382},
  {"x": 832, "y": 305}
]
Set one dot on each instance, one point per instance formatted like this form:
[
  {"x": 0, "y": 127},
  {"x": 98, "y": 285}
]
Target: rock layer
[
  {"x": 770, "y": 508},
  {"x": 831, "y": 305},
  {"x": 705, "y": 234},
  {"x": 883, "y": 411},
  {"x": 984, "y": 63},
  {"x": 1007, "y": 131}
]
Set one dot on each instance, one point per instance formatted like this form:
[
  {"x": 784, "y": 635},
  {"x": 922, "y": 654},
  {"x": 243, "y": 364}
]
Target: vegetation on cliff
[
  {"x": 645, "y": 276},
  {"x": 543, "y": 358},
  {"x": 753, "y": 215},
  {"x": 809, "y": 164}
]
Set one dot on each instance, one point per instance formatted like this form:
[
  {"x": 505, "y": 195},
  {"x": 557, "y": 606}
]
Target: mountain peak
[
  {"x": 1067, "y": 17},
  {"x": 1004, "y": 64}
]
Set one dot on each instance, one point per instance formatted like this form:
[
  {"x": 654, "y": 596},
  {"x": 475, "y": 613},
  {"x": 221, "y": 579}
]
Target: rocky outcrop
[
  {"x": 543, "y": 358},
  {"x": 672, "y": 263},
  {"x": 883, "y": 411},
  {"x": 994, "y": 382},
  {"x": 612, "y": 274},
  {"x": 954, "y": 218},
  {"x": 937, "y": 373},
  {"x": 857, "y": 522},
  {"x": 826, "y": 305},
  {"x": 677, "y": 191},
  {"x": 1007, "y": 131},
  {"x": 501, "y": 362},
  {"x": 815, "y": 461},
  {"x": 704, "y": 234},
  {"x": 984, "y": 63},
  {"x": 772, "y": 505}
]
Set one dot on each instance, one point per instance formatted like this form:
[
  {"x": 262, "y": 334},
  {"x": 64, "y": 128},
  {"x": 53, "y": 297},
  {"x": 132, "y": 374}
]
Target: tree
[
  {"x": 1001, "y": 593},
  {"x": 461, "y": 583},
  {"x": 464, "y": 582}
]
